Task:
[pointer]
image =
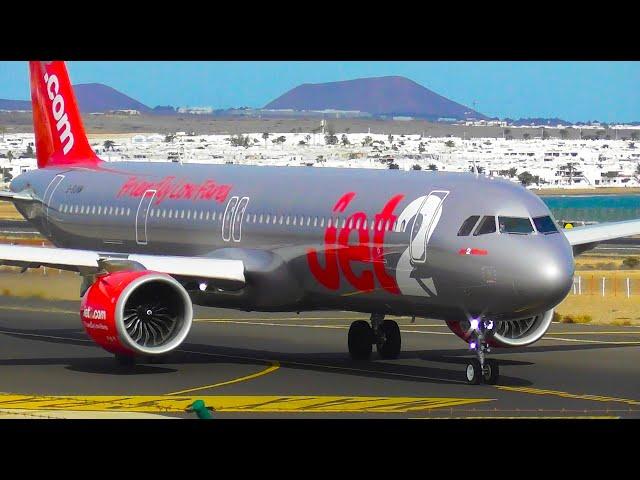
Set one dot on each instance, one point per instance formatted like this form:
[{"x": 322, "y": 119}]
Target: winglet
[{"x": 60, "y": 135}]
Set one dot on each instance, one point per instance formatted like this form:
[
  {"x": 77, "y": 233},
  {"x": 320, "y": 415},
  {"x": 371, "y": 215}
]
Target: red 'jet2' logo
[{"x": 339, "y": 253}]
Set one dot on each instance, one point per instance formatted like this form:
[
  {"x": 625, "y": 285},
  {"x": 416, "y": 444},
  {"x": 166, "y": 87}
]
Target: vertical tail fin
[{"x": 60, "y": 136}]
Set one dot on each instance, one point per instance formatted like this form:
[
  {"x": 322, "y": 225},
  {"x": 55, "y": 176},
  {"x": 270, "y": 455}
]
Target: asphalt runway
[{"x": 255, "y": 365}]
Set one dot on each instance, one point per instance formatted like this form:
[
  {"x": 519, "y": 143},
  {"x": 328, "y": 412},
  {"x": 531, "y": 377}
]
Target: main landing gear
[
  {"x": 385, "y": 334},
  {"x": 481, "y": 369}
]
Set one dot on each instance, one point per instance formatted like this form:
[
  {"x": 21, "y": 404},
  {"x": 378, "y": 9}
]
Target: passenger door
[
  {"x": 48, "y": 198},
  {"x": 142, "y": 216},
  {"x": 425, "y": 223}
]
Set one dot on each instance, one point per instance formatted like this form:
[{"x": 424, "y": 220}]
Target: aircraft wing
[
  {"x": 587, "y": 237},
  {"x": 227, "y": 272},
  {"x": 12, "y": 196}
]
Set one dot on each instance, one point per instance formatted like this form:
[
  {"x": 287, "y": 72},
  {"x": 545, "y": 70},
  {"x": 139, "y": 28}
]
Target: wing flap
[{"x": 88, "y": 261}]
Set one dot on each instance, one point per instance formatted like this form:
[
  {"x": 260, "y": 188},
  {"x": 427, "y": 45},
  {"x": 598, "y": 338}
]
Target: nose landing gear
[
  {"x": 385, "y": 334},
  {"x": 481, "y": 369}
]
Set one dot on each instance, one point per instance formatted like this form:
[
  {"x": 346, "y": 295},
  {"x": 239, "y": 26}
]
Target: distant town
[{"x": 597, "y": 159}]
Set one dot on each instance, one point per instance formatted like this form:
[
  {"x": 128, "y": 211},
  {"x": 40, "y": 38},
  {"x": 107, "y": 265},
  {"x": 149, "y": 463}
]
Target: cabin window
[
  {"x": 322, "y": 222},
  {"x": 350, "y": 223},
  {"x": 281, "y": 219},
  {"x": 128, "y": 212},
  {"x": 170, "y": 213},
  {"x": 545, "y": 224},
  {"x": 515, "y": 225},
  {"x": 486, "y": 225},
  {"x": 364, "y": 224},
  {"x": 467, "y": 225}
]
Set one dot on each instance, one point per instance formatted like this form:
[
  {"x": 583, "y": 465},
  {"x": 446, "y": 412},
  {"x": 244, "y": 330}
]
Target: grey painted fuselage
[{"x": 395, "y": 250}]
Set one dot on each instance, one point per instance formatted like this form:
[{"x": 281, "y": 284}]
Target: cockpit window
[
  {"x": 468, "y": 225},
  {"x": 518, "y": 225},
  {"x": 545, "y": 224},
  {"x": 486, "y": 225}
]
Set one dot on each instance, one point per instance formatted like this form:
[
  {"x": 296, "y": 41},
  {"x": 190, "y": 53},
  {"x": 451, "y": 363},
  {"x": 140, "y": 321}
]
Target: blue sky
[{"x": 574, "y": 91}]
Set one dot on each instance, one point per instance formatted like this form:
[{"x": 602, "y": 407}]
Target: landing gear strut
[
  {"x": 385, "y": 334},
  {"x": 481, "y": 369}
]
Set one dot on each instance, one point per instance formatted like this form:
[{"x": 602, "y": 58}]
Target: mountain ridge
[
  {"x": 378, "y": 96},
  {"x": 92, "y": 97}
]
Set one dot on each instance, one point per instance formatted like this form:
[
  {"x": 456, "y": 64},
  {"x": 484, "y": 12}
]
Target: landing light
[
  {"x": 203, "y": 286},
  {"x": 472, "y": 345},
  {"x": 474, "y": 324}
]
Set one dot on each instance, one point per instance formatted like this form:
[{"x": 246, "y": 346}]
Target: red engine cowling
[
  {"x": 510, "y": 333},
  {"x": 137, "y": 313}
]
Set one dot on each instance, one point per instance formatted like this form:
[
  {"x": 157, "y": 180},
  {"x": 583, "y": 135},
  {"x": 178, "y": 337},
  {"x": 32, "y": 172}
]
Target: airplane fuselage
[{"x": 365, "y": 240}]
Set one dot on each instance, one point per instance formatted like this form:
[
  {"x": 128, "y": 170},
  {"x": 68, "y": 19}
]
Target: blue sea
[{"x": 598, "y": 208}]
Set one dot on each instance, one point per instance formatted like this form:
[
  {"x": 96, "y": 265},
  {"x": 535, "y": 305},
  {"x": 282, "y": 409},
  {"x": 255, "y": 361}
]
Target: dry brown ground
[
  {"x": 54, "y": 285},
  {"x": 9, "y": 212}
]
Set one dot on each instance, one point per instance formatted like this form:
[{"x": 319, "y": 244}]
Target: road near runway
[{"x": 248, "y": 365}]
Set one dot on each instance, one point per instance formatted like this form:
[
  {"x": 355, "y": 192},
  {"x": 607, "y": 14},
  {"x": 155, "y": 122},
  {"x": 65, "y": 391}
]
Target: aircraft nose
[{"x": 550, "y": 276}]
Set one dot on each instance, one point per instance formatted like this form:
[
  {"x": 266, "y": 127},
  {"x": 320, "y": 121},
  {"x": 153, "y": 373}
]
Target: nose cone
[{"x": 550, "y": 276}]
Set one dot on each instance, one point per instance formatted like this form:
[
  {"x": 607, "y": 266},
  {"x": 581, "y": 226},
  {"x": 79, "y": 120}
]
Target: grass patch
[
  {"x": 576, "y": 319},
  {"x": 622, "y": 322}
]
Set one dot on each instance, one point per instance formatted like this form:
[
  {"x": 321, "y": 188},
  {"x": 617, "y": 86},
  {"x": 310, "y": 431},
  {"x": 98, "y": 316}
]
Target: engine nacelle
[
  {"x": 510, "y": 333},
  {"x": 137, "y": 312}
]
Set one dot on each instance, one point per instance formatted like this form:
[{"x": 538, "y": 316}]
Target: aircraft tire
[
  {"x": 491, "y": 373},
  {"x": 473, "y": 372},
  {"x": 360, "y": 340},
  {"x": 390, "y": 349}
]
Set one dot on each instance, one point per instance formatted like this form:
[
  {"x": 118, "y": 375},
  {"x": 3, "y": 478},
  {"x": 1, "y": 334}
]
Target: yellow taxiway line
[
  {"x": 272, "y": 368},
  {"x": 583, "y": 417},
  {"x": 224, "y": 403},
  {"x": 595, "y": 398}
]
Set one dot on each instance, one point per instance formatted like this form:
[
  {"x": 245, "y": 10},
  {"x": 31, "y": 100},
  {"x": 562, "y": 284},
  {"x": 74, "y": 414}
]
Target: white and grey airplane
[{"x": 151, "y": 239}]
